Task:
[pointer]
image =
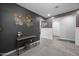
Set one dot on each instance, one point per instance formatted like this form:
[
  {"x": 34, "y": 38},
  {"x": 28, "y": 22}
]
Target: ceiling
[{"x": 50, "y": 9}]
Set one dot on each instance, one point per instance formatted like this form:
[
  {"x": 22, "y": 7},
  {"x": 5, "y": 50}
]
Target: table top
[{"x": 25, "y": 37}]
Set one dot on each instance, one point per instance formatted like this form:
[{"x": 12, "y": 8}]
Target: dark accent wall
[
  {"x": 8, "y": 34},
  {"x": 77, "y": 20}
]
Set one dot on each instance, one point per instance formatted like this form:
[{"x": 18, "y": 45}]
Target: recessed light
[
  {"x": 78, "y": 12},
  {"x": 48, "y": 14},
  {"x": 56, "y": 6}
]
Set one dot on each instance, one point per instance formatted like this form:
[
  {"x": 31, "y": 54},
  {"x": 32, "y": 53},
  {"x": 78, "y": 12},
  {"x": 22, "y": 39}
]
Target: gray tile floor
[{"x": 54, "y": 47}]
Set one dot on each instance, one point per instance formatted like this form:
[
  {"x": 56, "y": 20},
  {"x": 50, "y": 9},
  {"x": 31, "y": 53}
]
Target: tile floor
[{"x": 54, "y": 47}]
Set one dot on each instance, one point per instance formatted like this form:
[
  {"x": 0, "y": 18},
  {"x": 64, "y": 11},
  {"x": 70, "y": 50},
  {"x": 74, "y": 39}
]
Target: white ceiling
[{"x": 49, "y": 9}]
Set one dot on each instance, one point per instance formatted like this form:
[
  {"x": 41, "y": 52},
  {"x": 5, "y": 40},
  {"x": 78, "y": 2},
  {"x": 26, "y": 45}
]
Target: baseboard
[
  {"x": 10, "y": 52},
  {"x": 46, "y": 38},
  {"x": 65, "y": 39},
  {"x": 55, "y": 36}
]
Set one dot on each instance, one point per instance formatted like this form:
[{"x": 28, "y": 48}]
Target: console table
[{"x": 23, "y": 41}]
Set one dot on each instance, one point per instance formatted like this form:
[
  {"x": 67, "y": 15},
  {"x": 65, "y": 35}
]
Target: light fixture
[
  {"x": 48, "y": 14},
  {"x": 56, "y": 6}
]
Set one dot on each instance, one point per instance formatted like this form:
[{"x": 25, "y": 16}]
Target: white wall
[
  {"x": 67, "y": 27},
  {"x": 63, "y": 27},
  {"x": 46, "y": 32},
  {"x": 56, "y": 28},
  {"x": 77, "y": 36}
]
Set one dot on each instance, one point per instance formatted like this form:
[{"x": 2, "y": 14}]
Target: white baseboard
[
  {"x": 5, "y": 54},
  {"x": 46, "y": 38},
  {"x": 67, "y": 39},
  {"x": 10, "y": 52}
]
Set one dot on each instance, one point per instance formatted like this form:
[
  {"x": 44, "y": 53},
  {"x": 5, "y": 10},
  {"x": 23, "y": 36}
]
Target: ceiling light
[
  {"x": 48, "y": 14},
  {"x": 56, "y": 6}
]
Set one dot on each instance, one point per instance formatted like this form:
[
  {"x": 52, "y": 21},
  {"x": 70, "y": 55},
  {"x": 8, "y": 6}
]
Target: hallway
[
  {"x": 53, "y": 48},
  {"x": 24, "y": 25}
]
